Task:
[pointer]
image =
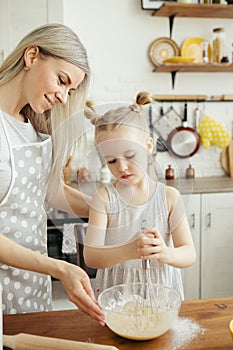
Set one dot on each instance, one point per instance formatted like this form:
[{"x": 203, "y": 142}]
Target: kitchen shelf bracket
[
  {"x": 173, "y": 76},
  {"x": 171, "y": 22}
]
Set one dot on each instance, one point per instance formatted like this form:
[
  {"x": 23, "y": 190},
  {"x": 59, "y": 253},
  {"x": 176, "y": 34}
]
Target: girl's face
[
  {"x": 49, "y": 81},
  {"x": 125, "y": 152}
]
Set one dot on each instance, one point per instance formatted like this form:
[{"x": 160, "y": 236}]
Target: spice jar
[
  {"x": 218, "y": 44},
  {"x": 190, "y": 172},
  {"x": 169, "y": 174}
]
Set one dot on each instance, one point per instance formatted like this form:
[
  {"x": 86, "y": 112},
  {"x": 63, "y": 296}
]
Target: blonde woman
[
  {"x": 135, "y": 217},
  {"x": 43, "y": 83}
]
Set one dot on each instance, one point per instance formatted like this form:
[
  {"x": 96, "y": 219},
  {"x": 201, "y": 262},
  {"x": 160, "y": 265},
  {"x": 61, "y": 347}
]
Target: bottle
[
  {"x": 205, "y": 47},
  {"x": 169, "y": 174},
  {"x": 218, "y": 44},
  {"x": 190, "y": 172}
]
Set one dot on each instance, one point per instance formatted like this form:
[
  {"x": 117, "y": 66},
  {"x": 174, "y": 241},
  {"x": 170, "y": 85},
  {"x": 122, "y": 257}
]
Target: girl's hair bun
[
  {"x": 142, "y": 99},
  {"x": 89, "y": 112}
]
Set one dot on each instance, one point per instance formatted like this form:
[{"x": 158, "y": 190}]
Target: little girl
[{"x": 134, "y": 204}]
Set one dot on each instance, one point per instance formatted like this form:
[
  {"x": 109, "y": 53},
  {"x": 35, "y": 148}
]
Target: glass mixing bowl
[{"x": 136, "y": 312}]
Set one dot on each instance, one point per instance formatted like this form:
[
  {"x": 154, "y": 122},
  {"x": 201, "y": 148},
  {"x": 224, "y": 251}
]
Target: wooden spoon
[{"x": 23, "y": 341}]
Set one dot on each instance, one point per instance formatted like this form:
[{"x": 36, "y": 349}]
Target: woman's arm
[
  {"x": 152, "y": 245},
  {"x": 96, "y": 229},
  {"x": 75, "y": 280},
  {"x": 71, "y": 201}
]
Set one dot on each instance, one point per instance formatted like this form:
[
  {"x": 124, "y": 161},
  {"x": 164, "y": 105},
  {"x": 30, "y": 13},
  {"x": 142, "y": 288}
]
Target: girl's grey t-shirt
[{"x": 124, "y": 221}]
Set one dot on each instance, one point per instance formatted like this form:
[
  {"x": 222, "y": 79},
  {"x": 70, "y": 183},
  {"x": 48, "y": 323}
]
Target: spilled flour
[{"x": 184, "y": 331}]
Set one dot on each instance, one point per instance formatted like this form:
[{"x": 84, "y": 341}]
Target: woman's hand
[
  {"x": 152, "y": 246},
  {"x": 74, "y": 279},
  {"x": 78, "y": 289}
]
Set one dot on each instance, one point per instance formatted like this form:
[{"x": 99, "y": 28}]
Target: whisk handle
[{"x": 146, "y": 264}]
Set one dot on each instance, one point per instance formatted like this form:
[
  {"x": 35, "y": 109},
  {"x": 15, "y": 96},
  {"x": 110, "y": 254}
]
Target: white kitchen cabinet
[
  {"x": 191, "y": 275},
  {"x": 217, "y": 245},
  {"x": 17, "y": 18},
  {"x": 210, "y": 218}
]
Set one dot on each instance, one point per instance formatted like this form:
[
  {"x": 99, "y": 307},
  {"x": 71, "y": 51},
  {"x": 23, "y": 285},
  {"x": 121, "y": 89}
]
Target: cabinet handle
[
  {"x": 209, "y": 220},
  {"x": 193, "y": 223}
]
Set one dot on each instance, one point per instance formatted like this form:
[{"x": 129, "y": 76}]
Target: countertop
[
  {"x": 198, "y": 185},
  {"x": 202, "y": 184},
  {"x": 212, "y": 184},
  {"x": 212, "y": 315}
]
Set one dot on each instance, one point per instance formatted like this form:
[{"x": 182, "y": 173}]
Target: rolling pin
[{"x": 23, "y": 341}]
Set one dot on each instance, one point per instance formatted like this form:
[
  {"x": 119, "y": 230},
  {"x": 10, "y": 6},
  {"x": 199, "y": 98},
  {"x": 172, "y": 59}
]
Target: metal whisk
[{"x": 149, "y": 305}]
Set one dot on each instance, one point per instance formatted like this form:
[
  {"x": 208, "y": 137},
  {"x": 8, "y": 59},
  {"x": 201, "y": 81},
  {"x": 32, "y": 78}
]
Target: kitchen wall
[{"x": 117, "y": 35}]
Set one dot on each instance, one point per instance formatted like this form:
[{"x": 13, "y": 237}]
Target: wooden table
[{"x": 213, "y": 315}]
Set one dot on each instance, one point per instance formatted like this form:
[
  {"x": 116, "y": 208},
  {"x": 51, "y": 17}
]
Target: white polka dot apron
[{"x": 23, "y": 219}]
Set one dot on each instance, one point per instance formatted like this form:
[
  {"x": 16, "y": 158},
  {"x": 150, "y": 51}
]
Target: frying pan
[{"x": 184, "y": 141}]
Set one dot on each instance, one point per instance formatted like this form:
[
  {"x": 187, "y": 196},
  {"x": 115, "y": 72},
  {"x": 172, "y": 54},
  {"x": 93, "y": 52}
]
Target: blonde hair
[
  {"x": 132, "y": 116},
  {"x": 61, "y": 42}
]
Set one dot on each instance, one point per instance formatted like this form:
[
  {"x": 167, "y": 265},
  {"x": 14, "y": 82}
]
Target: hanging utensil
[
  {"x": 166, "y": 123},
  {"x": 184, "y": 141},
  {"x": 197, "y": 117},
  {"x": 161, "y": 145}
]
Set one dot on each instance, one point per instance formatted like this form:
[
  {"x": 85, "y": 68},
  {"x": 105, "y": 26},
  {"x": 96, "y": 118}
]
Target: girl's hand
[{"x": 152, "y": 246}]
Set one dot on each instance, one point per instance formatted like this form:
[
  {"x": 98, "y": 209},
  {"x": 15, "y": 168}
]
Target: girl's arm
[
  {"x": 75, "y": 281},
  {"x": 184, "y": 252},
  {"x": 96, "y": 254},
  {"x": 152, "y": 245}
]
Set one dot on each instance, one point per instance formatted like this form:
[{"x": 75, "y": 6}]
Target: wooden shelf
[
  {"x": 193, "y": 98},
  {"x": 175, "y": 9},
  {"x": 194, "y": 67},
  {"x": 174, "y": 68}
]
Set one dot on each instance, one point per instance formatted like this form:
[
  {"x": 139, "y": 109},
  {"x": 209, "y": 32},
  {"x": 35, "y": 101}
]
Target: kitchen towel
[{"x": 68, "y": 240}]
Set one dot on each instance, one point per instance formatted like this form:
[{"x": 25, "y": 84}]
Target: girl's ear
[
  {"x": 30, "y": 54},
  {"x": 150, "y": 144}
]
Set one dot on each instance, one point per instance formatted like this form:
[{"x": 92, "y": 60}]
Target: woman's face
[
  {"x": 125, "y": 151},
  {"x": 49, "y": 81}
]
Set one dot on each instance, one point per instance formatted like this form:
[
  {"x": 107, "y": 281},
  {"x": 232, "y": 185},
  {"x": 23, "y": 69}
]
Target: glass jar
[{"x": 218, "y": 45}]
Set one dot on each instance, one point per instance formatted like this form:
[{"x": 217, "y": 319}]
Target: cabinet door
[
  {"x": 17, "y": 18},
  {"x": 217, "y": 245},
  {"x": 191, "y": 275}
]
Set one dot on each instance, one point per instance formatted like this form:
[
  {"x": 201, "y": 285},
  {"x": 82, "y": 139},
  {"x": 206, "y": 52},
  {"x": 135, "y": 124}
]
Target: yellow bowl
[
  {"x": 179, "y": 59},
  {"x": 231, "y": 328}
]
